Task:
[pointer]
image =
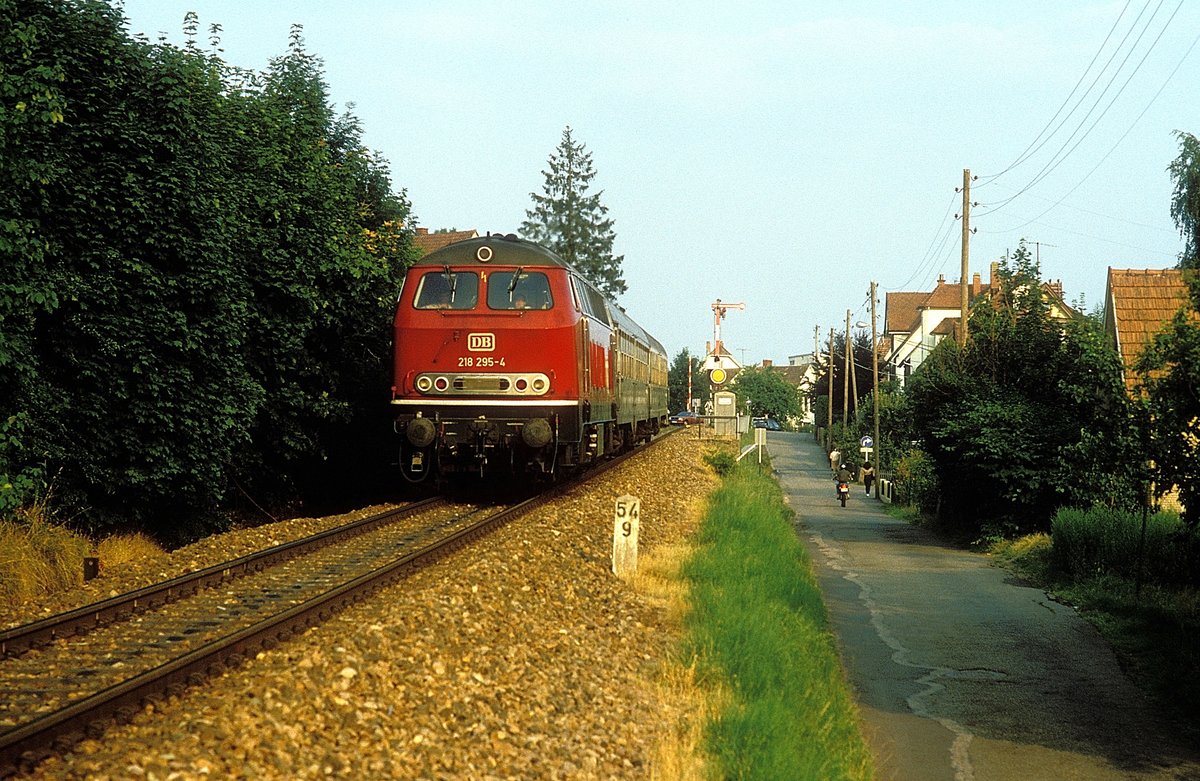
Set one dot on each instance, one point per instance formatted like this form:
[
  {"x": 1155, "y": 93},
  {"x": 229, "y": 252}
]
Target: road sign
[{"x": 866, "y": 443}]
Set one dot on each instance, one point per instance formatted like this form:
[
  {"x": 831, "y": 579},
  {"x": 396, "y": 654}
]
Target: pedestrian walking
[{"x": 868, "y": 476}]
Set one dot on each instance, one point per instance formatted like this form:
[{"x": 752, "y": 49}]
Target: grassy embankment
[
  {"x": 1091, "y": 560},
  {"x": 758, "y": 640}
]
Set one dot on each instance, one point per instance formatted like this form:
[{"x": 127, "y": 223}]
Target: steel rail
[
  {"x": 18, "y": 640},
  {"x": 29, "y": 743}
]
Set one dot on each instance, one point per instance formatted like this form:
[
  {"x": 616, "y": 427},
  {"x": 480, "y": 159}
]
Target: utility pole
[
  {"x": 875, "y": 371},
  {"x": 853, "y": 374},
  {"x": 689, "y": 399},
  {"x": 846, "y": 379},
  {"x": 829, "y": 405},
  {"x": 966, "y": 254}
]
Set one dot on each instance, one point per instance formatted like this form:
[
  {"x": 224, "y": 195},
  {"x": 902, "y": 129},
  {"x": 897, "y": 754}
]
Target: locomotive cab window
[
  {"x": 519, "y": 290},
  {"x": 447, "y": 290}
]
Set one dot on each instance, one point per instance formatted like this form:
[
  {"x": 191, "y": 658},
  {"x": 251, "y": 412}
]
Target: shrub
[
  {"x": 722, "y": 461},
  {"x": 917, "y": 483}
]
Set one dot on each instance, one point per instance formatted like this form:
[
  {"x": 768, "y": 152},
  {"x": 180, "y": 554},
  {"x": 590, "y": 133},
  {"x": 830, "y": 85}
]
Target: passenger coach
[{"x": 506, "y": 358}]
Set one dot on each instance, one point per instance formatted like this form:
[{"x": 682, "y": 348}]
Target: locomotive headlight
[
  {"x": 420, "y": 432},
  {"x": 536, "y": 432},
  {"x": 424, "y": 384},
  {"x": 539, "y": 384}
]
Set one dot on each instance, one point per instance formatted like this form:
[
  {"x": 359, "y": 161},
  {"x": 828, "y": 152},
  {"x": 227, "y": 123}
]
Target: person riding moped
[{"x": 843, "y": 476}]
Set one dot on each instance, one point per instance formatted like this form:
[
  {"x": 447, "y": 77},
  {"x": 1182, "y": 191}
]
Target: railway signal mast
[{"x": 719, "y": 363}]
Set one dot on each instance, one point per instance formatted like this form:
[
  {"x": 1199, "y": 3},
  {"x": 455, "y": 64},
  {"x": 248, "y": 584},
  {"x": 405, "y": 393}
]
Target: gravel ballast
[{"x": 522, "y": 657}]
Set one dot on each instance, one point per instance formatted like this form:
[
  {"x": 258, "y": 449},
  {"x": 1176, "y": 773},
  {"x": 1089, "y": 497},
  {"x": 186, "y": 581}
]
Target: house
[
  {"x": 1138, "y": 303},
  {"x": 426, "y": 242},
  {"x": 801, "y": 374},
  {"x": 914, "y": 323}
]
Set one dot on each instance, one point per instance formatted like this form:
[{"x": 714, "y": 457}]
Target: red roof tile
[
  {"x": 1140, "y": 302},
  {"x": 426, "y": 242}
]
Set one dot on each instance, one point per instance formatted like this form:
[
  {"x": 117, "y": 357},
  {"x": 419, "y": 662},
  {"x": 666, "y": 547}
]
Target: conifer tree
[{"x": 572, "y": 222}]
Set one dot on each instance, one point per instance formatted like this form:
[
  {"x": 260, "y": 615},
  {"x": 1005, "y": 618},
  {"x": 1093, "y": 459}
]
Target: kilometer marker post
[{"x": 626, "y": 518}]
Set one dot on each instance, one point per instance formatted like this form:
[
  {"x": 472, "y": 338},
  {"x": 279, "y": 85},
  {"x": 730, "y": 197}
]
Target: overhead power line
[{"x": 1067, "y": 148}]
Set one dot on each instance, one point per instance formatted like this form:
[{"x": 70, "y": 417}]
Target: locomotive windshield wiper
[
  {"x": 515, "y": 278},
  {"x": 452, "y": 279}
]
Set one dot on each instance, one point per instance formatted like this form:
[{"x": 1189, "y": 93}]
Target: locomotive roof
[
  {"x": 493, "y": 250},
  {"x": 509, "y": 250}
]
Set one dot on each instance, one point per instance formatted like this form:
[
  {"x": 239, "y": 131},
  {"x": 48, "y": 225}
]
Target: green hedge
[{"x": 200, "y": 265}]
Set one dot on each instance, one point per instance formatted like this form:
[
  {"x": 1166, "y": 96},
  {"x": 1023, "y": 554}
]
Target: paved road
[{"x": 960, "y": 672}]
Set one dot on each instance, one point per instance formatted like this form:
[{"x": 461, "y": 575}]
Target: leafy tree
[
  {"x": 1170, "y": 374},
  {"x": 766, "y": 392},
  {"x": 197, "y": 296},
  {"x": 895, "y": 424},
  {"x": 572, "y": 222},
  {"x": 863, "y": 378},
  {"x": 677, "y": 381},
  {"x": 1185, "y": 203},
  {"x": 1170, "y": 366},
  {"x": 1029, "y": 416}
]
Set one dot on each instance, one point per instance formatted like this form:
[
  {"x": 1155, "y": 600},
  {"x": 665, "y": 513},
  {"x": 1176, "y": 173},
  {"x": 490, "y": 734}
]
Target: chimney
[
  {"x": 941, "y": 279},
  {"x": 766, "y": 363},
  {"x": 976, "y": 284},
  {"x": 422, "y": 231}
]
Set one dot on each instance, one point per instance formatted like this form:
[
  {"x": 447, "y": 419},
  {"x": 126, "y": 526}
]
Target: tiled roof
[
  {"x": 1139, "y": 302},
  {"x": 944, "y": 296},
  {"x": 948, "y": 327},
  {"x": 426, "y": 242},
  {"x": 901, "y": 310},
  {"x": 794, "y": 375}
]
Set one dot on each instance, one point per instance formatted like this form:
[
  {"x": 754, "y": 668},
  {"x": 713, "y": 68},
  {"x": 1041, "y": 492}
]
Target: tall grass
[
  {"x": 758, "y": 627},
  {"x": 39, "y": 556},
  {"x": 1106, "y": 541}
]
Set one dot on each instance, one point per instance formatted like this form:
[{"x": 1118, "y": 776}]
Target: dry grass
[
  {"x": 123, "y": 548},
  {"x": 679, "y": 755},
  {"x": 40, "y": 557}
]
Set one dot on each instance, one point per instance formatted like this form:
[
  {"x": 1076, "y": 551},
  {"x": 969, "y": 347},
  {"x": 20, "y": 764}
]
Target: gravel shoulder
[{"x": 520, "y": 658}]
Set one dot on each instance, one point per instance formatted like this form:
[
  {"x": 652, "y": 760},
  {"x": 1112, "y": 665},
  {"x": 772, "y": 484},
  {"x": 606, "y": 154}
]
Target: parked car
[
  {"x": 685, "y": 418},
  {"x": 769, "y": 424}
]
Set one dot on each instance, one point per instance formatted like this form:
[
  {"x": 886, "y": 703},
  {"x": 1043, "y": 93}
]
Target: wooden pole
[
  {"x": 875, "y": 371},
  {"x": 829, "y": 406},
  {"x": 846, "y": 377},
  {"x": 966, "y": 255}
]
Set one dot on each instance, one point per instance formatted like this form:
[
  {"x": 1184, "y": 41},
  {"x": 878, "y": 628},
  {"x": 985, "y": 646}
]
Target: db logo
[{"x": 481, "y": 343}]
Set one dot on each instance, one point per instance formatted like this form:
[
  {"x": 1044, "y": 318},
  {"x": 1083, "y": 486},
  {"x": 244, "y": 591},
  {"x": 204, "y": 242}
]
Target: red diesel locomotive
[{"x": 507, "y": 359}]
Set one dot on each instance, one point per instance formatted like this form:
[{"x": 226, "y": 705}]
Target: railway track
[{"x": 70, "y": 676}]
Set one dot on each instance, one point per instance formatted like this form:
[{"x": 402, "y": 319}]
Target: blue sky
[{"x": 780, "y": 154}]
